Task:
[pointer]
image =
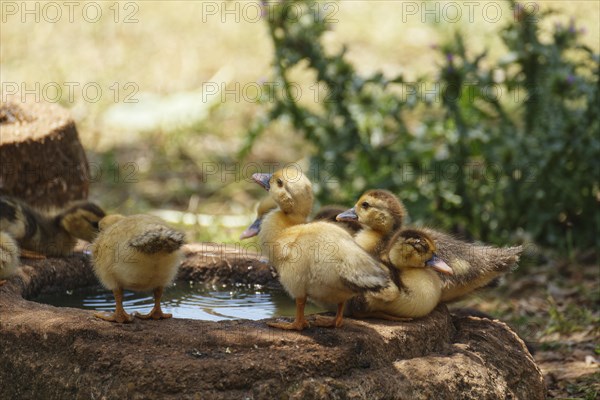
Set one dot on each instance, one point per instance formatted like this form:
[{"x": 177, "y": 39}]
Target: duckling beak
[
  {"x": 439, "y": 265},
  {"x": 262, "y": 180},
  {"x": 252, "y": 230},
  {"x": 348, "y": 215}
]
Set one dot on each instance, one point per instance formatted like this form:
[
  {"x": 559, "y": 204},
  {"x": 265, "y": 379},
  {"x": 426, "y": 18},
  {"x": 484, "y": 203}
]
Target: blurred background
[{"x": 482, "y": 116}]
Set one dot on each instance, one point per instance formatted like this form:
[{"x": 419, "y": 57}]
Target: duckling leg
[
  {"x": 299, "y": 323},
  {"x": 156, "y": 312},
  {"x": 32, "y": 255},
  {"x": 119, "y": 315},
  {"x": 379, "y": 315},
  {"x": 335, "y": 322}
]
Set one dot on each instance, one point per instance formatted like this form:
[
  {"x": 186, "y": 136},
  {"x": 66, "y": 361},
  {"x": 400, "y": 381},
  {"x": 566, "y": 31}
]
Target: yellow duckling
[
  {"x": 266, "y": 205},
  {"x": 474, "y": 265},
  {"x": 53, "y": 234},
  {"x": 418, "y": 288},
  {"x": 317, "y": 260},
  {"x": 325, "y": 213},
  {"x": 9, "y": 257},
  {"x": 140, "y": 253}
]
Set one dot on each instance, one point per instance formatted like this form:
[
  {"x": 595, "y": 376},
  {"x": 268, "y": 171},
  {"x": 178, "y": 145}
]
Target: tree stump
[{"x": 41, "y": 158}]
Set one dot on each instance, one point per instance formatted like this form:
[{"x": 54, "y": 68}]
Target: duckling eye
[
  {"x": 365, "y": 205},
  {"x": 279, "y": 182}
]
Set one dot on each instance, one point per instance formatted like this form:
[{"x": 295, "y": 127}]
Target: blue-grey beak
[
  {"x": 252, "y": 230},
  {"x": 349, "y": 215},
  {"x": 439, "y": 265},
  {"x": 262, "y": 180}
]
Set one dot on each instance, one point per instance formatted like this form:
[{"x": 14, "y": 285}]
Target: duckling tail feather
[{"x": 161, "y": 239}]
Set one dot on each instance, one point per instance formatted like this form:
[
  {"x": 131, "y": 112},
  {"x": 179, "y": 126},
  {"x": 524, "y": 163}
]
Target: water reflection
[{"x": 188, "y": 300}]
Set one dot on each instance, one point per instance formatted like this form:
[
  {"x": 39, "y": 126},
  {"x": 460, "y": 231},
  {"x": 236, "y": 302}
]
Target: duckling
[
  {"x": 264, "y": 206},
  {"x": 317, "y": 260},
  {"x": 140, "y": 253},
  {"x": 53, "y": 234},
  {"x": 9, "y": 256},
  {"x": 325, "y": 213},
  {"x": 381, "y": 214},
  {"x": 474, "y": 265},
  {"x": 418, "y": 288}
]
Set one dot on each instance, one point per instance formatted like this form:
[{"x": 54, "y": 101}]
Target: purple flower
[
  {"x": 570, "y": 79},
  {"x": 572, "y": 25},
  {"x": 449, "y": 57}
]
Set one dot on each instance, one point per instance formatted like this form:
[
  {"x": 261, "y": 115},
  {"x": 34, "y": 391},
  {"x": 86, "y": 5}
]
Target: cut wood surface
[
  {"x": 59, "y": 353},
  {"x": 42, "y": 160}
]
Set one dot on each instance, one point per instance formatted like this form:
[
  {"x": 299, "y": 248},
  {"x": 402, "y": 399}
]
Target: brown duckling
[
  {"x": 418, "y": 288},
  {"x": 9, "y": 257},
  {"x": 317, "y": 260},
  {"x": 474, "y": 265},
  {"x": 380, "y": 214},
  {"x": 51, "y": 234},
  {"x": 140, "y": 253}
]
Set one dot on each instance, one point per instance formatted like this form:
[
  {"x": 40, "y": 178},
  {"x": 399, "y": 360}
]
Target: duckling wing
[
  {"x": 157, "y": 239},
  {"x": 357, "y": 270},
  {"x": 16, "y": 218},
  {"x": 361, "y": 273},
  {"x": 474, "y": 265}
]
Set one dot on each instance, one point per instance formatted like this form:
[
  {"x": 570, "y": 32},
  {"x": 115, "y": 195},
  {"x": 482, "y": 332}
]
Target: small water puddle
[{"x": 188, "y": 300}]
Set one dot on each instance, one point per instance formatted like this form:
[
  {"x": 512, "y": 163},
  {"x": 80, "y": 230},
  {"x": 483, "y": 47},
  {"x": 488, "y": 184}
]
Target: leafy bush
[{"x": 512, "y": 146}]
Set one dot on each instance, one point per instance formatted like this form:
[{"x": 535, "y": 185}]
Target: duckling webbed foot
[
  {"x": 118, "y": 316},
  {"x": 299, "y": 323},
  {"x": 327, "y": 322},
  {"x": 32, "y": 255},
  {"x": 336, "y": 322},
  {"x": 291, "y": 326},
  {"x": 380, "y": 315},
  {"x": 3, "y": 281},
  {"x": 156, "y": 312}
]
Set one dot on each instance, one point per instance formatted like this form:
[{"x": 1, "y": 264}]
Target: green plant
[{"x": 490, "y": 165}]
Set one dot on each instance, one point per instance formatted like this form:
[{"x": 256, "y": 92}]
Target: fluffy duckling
[
  {"x": 474, "y": 265},
  {"x": 53, "y": 234},
  {"x": 140, "y": 253},
  {"x": 317, "y": 260},
  {"x": 264, "y": 206},
  {"x": 418, "y": 287},
  {"x": 325, "y": 213},
  {"x": 9, "y": 256},
  {"x": 381, "y": 214}
]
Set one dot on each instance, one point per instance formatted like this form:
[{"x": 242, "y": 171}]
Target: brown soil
[{"x": 60, "y": 353}]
